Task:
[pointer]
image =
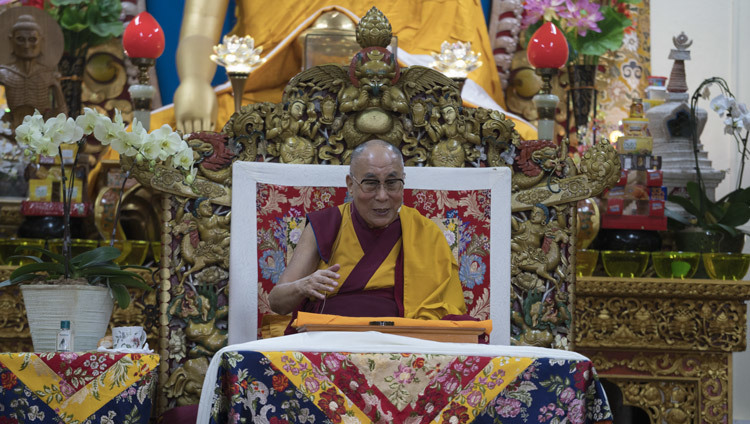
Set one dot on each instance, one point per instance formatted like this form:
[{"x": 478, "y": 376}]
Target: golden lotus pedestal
[{"x": 667, "y": 344}]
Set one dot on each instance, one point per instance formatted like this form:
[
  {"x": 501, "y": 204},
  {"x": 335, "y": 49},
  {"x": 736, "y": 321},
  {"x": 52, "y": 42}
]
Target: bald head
[{"x": 378, "y": 147}]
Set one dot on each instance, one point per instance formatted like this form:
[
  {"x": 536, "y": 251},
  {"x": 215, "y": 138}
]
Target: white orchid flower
[
  {"x": 35, "y": 121},
  {"x": 744, "y": 117},
  {"x": 150, "y": 148},
  {"x": 107, "y": 131},
  {"x": 184, "y": 159},
  {"x": 729, "y": 125},
  {"x": 721, "y": 104},
  {"x": 183, "y": 146},
  {"x": 44, "y": 145},
  {"x": 60, "y": 129},
  {"x": 88, "y": 120},
  {"x": 169, "y": 141},
  {"x": 133, "y": 141},
  {"x": 122, "y": 145},
  {"x": 118, "y": 118},
  {"x": 26, "y": 132},
  {"x": 75, "y": 131},
  {"x": 190, "y": 177}
]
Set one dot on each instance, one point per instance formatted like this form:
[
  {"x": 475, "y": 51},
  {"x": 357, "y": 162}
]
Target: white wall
[{"x": 720, "y": 31}]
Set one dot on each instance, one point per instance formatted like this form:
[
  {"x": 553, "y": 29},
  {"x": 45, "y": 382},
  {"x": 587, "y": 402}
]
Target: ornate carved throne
[{"x": 326, "y": 111}]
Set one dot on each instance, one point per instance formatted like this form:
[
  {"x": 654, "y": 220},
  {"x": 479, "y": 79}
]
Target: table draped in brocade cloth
[
  {"x": 342, "y": 377},
  {"x": 87, "y": 387}
]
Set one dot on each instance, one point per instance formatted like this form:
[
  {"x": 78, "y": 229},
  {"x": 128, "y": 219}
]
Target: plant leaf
[
  {"x": 107, "y": 29},
  {"x": 48, "y": 253},
  {"x": 22, "y": 278},
  {"x": 98, "y": 255},
  {"x": 732, "y": 231},
  {"x": 73, "y": 19},
  {"x": 130, "y": 282},
  {"x": 48, "y": 267},
  {"x": 610, "y": 38},
  {"x": 36, "y": 259},
  {"x": 19, "y": 279},
  {"x": 676, "y": 216},
  {"x": 121, "y": 294},
  {"x": 136, "y": 267},
  {"x": 106, "y": 271},
  {"x": 685, "y": 203},
  {"x": 735, "y": 215}
]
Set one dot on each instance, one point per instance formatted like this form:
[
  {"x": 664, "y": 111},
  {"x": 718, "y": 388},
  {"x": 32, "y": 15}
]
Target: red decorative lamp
[
  {"x": 143, "y": 41},
  {"x": 547, "y": 52}
]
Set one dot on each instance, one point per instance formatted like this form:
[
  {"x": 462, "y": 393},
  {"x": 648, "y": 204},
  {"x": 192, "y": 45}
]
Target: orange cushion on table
[{"x": 306, "y": 318}]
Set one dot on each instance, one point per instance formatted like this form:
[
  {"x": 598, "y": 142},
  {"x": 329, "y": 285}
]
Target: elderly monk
[{"x": 373, "y": 256}]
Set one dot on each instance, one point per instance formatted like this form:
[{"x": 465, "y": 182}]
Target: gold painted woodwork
[
  {"x": 666, "y": 343},
  {"x": 327, "y": 111}
]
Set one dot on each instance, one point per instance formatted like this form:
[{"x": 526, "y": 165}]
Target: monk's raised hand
[{"x": 321, "y": 282}]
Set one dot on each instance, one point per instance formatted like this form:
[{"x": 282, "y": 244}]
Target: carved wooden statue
[
  {"x": 28, "y": 65},
  {"x": 327, "y": 111}
]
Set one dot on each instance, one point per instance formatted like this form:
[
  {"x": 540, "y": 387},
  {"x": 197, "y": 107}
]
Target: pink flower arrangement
[{"x": 591, "y": 27}]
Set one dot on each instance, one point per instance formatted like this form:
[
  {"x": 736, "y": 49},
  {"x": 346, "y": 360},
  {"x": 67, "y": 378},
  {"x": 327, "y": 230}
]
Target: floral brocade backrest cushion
[{"x": 463, "y": 216}]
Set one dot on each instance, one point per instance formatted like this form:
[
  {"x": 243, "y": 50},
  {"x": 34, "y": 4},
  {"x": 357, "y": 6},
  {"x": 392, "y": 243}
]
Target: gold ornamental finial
[{"x": 374, "y": 30}]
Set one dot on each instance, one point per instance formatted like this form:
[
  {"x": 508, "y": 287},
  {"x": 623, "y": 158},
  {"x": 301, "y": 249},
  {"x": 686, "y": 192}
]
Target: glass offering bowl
[
  {"x": 133, "y": 252},
  {"x": 726, "y": 266},
  {"x": 586, "y": 262},
  {"x": 138, "y": 252},
  {"x": 675, "y": 264},
  {"x": 8, "y": 249},
  {"x": 624, "y": 263},
  {"x": 125, "y": 247},
  {"x": 77, "y": 246},
  {"x": 156, "y": 251}
]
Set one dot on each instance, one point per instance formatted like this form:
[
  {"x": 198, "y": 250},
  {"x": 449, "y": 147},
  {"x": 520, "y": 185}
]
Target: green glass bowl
[
  {"x": 625, "y": 263},
  {"x": 586, "y": 262},
  {"x": 8, "y": 248},
  {"x": 133, "y": 252},
  {"x": 156, "y": 250},
  {"x": 138, "y": 252},
  {"x": 726, "y": 266},
  {"x": 675, "y": 264},
  {"x": 77, "y": 246}
]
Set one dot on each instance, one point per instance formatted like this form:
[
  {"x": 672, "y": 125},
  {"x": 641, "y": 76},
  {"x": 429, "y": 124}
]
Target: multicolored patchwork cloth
[
  {"x": 77, "y": 387},
  {"x": 342, "y": 387}
]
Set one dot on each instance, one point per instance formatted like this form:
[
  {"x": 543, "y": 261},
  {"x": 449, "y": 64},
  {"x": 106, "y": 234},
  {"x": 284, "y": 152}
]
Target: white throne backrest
[{"x": 244, "y": 263}]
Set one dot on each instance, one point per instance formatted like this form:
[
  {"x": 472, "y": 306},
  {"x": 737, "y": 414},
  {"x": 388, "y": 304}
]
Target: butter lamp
[
  {"x": 143, "y": 41},
  {"x": 547, "y": 52}
]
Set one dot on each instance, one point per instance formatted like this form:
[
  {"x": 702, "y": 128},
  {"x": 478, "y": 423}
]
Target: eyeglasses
[{"x": 392, "y": 185}]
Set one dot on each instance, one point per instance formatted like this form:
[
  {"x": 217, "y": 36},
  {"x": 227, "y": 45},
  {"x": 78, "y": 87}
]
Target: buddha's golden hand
[{"x": 195, "y": 106}]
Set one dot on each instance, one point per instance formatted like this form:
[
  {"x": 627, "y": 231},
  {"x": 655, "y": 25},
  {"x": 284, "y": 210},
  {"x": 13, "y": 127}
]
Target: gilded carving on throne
[{"x": 325, "y": 112}]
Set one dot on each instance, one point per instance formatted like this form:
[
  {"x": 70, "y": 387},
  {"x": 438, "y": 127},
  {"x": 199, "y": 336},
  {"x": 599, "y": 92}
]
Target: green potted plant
[
  {"x": 82, "y": 288},
  {"x": 713, "y": 226}
]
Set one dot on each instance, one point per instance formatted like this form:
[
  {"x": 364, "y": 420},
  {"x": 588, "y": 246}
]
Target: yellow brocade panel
[{"x": 57, "y": 390}]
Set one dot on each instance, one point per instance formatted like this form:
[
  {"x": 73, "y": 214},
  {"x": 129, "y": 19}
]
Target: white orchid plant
[
  {"x": 45, "y": 138},
  {"x": 733, "y": 210}
]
